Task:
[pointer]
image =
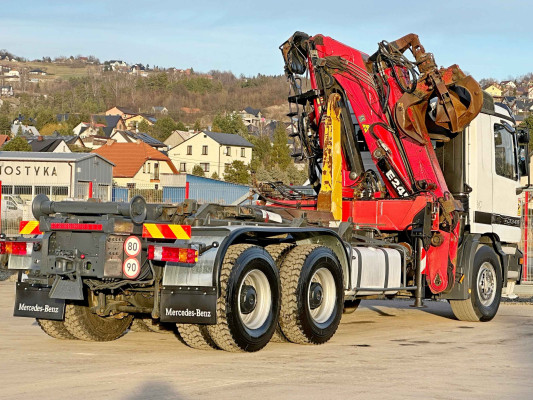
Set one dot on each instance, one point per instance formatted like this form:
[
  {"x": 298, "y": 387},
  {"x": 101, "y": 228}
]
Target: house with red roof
[{"x": 137, "y": 164}]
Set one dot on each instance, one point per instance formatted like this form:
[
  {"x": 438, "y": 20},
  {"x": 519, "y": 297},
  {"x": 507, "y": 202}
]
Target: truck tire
[
  {"x": 312, "y": 294},
  {"x": 55, "y": 329},
  {"x": 149, "y": 324},
  {"x": 138, "y": 325},
  {"x": 278, "y": 253},
  {"x": 196, "y": 336},
  {"x": 486, "y": 288},
  {"x": 249, "y": 300},
  {"x": 81, "y": 322}
]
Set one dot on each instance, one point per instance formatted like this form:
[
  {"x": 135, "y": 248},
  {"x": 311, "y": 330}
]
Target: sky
[{"x": 490, "y": 38}]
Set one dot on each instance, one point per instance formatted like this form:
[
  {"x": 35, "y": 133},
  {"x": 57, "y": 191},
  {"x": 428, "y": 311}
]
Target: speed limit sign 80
[{"x": 132, "y": 246}]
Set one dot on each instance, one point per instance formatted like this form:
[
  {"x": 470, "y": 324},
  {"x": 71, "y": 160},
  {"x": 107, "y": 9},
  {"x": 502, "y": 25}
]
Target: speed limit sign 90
[
  {"x": 131, "y": 268},
  {"x": 132, "y": 246}
]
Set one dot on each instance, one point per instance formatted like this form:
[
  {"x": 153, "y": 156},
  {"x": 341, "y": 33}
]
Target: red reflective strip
[
  {"x": 187, "y": 229},
  {"x": 22, "y": 225},
  {"x": 76, "y": 227},
  {"x": 166, "y": 231}
]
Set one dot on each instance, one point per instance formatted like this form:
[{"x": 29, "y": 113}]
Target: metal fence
[
  {"x": 200, "y": 191},
  {"x": 16, "y": 200}
]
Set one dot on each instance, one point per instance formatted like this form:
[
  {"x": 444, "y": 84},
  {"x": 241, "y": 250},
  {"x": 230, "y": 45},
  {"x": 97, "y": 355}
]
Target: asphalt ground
[{"x": 385, "y": 350}]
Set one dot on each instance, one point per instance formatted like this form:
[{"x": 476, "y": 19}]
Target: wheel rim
[
  {"x": 255, "y": 300},
  {"x": 486, "y": 283},
  {"x": 321, "y": 296}
]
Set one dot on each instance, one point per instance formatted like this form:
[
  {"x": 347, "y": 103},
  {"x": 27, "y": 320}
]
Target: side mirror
[
  {"x": 522, "y": 136},
  {"x": 523, "y": 165}
]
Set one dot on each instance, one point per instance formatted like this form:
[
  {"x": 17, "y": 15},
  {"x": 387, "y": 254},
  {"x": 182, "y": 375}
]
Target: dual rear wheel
[{"x": 308, "y": 280}]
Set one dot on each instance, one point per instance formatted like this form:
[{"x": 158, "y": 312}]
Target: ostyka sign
[{"x": 53, "y": 172}]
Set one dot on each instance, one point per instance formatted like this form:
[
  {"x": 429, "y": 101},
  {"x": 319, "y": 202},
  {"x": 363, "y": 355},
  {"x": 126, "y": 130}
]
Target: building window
[
  {"x": 204, "y": 150},
  {"x": 243, "y": 152},
  {"x": 144, "y": 168},
  {"x": 228, "y": 151},
  {"x": 205, "y": 166},
  {"x": 131, "y": 185},
  {"x": 42, "y": 190},
  {"x": 189, "y": 150},
  {"x": 505, "y": 159},
  {"x": 22, "y": 190},
  {"x": 183, "y": 167},
  {"x": 59, "y": 190},
  {"x": 226, "y": 166}
]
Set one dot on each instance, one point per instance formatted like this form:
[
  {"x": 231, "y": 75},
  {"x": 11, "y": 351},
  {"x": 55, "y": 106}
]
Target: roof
[
  {"x": 124, "y": 110},
  {"x": 61, "y": 157},
  {"x": 45, "y": 144},
  {"x": 26, "y": 129},
  {"x": 158, "y": 108},
  {"x": 228, "y": 139},
  {"x": 130, "y": 157},
  {"x": 3, "y": 139},
  {"x": 252, "y": 111},
  {"x": 131, "y": 136}
]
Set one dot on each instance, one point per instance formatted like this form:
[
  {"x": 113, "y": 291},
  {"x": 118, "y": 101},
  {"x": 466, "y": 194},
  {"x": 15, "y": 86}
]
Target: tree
[
  {"x": 5, "y": 124},
  {"x": 237, "y": 172},
  {"x": 197, "y": 126},
  {"x": 163, "y": 128},
  {"x": 180, "y": 126},
  {"x": 231, "y": 123},
  {"x": 261, "y": 153},
  {"x": 215, "y": 176},
  {"x": 198, "y": 171},
  {"x": 528, "y": 124},
  {"x": 17, "y": 144},
  {"x": 50, "y": 128},
  {"x": 281, "y": 154}
]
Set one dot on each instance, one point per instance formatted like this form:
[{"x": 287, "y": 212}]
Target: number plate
[
  {"x": 34, "y": 302},
  {"x": 195, "y": 306}
]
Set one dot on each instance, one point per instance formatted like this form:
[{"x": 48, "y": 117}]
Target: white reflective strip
[
  {"x": 158, "y": 253},
  {"x": 29, "y": 248}
]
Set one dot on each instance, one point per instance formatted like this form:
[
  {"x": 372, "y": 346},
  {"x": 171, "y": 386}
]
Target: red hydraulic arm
[{"x": 399, "y": 106}]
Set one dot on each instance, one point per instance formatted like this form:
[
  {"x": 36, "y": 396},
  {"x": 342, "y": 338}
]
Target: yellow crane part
[{"x": 330, "y": 196}]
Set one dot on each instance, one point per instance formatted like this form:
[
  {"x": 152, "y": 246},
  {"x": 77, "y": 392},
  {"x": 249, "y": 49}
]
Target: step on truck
[{"x": 415, "y": 176}]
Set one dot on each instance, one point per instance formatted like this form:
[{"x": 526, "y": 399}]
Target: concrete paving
[{"x": 385, "y": 349}]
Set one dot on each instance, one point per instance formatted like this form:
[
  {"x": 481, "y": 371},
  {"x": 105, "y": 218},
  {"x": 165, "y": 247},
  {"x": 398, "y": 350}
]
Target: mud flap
[
  {"x": 35, "y": 302},
  {"x": 189, "y": 305},
  {"x": 67, "y": 289}
]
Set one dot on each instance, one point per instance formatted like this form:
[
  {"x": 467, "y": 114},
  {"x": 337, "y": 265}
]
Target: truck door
[
  {"x": 505, "y": 220},
  {"x": 479, "y": 145}
]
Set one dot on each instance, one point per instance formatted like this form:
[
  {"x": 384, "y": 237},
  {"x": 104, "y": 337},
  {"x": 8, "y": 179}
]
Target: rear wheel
[
  {"x": 312, "y": 294},
  {"x": 148, "y": 324},
  {"x": 82, "y": 323},
  {"x": 278, "y": 253},
  {"x": 196, "y": 336},
  {"x": 55, "y": 329},
  {"x": 248, "y": 304},
  {"x": 486, "y": 288}
]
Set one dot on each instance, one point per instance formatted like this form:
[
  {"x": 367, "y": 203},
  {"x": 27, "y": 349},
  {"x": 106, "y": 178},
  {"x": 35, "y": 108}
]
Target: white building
[{"x": 212, "y": 151}]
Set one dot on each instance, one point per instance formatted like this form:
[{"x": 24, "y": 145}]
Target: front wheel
[
  {"x": 248, "y": 304},
  {"x": 485, "y": 286},
  {"x": 312, "y": 294}
]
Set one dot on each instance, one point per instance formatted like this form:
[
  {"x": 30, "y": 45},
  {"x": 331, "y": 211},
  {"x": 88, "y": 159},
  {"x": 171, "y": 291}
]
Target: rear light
[
  {"x": 16, "y": 248},
  {"x": 75, "y": 227},
  {"x": 172, "y": 254}
]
